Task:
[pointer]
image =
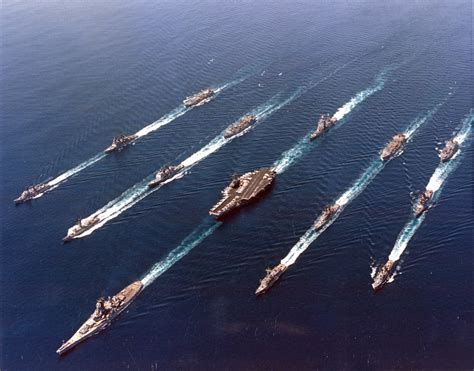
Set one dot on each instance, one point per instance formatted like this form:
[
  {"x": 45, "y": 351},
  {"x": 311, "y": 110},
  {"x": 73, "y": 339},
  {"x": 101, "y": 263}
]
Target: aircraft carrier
[
  {"x": 242, "y": 189},
  {"x": 106, "y": 310}
]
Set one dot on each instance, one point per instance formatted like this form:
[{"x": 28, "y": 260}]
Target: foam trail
[
  {"x": 360, "y": 97},
  {"x": 166, "y": 119},
  {"x": 304, "y": 145},
  {"x": 190, "y": 242},
  {"x": 141, "y": 190},
  {"x": 435, "y": 184}
]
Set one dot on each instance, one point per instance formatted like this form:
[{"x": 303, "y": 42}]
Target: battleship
[
  {"x": 165, "y": 173},
  {"x": 327, "y": 213},
  {"x": 81, "y": 226},
  {"x": 272, "y": 276},
  {"x": 449, "y": 150},
  {"x": 382, "y": 275},
  {"x": 393, "y": 146},
  {"x": 198, "y": 98},
  {"x": 239, "y": 126},
  {"x": 242, "y": 189},
  {"x": 106, "y": 310},
  {"x": 120, "y": 142},
  {"x": 324, "y": 123},
  {"x": 32, "y": 192},
  {"x": 422, "y": 203}
]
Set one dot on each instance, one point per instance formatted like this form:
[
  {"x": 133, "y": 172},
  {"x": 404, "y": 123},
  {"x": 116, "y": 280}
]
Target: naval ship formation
[
  {"x": 105, "y": 311},
  {"x": 199, "y": 98},
  {"x": 243, "y": 189}
]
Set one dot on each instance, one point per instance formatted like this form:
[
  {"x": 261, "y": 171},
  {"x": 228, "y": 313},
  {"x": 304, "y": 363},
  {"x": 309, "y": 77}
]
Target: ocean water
[{"x": 74, "y": 74}]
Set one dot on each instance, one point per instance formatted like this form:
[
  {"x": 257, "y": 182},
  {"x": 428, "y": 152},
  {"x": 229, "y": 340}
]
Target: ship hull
[{"x": 131, "y": 292}]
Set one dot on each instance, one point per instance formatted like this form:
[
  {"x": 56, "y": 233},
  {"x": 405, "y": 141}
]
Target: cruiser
[
  {"x": 382, "y": 275},
  {"x": 198, "y": 98},
  {"x": 324, "y": 123},
  {"x": 272, "y": 276},
  {"x": 327, "y": 213},
  {"x": 32, "y": 192},
  {"x": 391, "y": 148},
  {"x": 239, "y": 126},
  {"x": 80, "y": 227},
  {"x": 422, "y": 203},
  {"x": 105, "y": 311},
  {"x": 120, "y": 142},
  {"x": 165, "y": 173},
  {"x": 242, "y": 189},
  {"x": 449, "y": 150}
]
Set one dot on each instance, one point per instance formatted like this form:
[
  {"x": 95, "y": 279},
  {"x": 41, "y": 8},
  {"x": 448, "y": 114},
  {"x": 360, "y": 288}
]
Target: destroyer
[
  {"x": 198, "y": 98},
  {"x": 382, "y": 275},
  {"x": 120, "y": 142},
  {"x": 327, "y": 213},
  {"x": 422, "y": 203},
  {"x": 32, "y": 192},
  {"x": 239, "y": 126},
  {"x": 105, "y": 311},
  {"x": 449, "y": 150},
  {"x": 165, "y": 173},
  {"x": 324, "y": 123},
  {"x": 80, "y": 227},
  {"x": 393, "y": 146},
  {"x": 242, "y": 189},
  {"x": 272, "y": 276}
]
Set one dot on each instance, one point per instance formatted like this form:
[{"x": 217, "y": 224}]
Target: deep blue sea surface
[{"x": 76, "y": 73}]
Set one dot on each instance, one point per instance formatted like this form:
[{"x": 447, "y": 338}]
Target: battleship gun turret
[
  {"x": 449, "y": 150},
  {"x": 422, "y": 203},
  {"x": 120, "y": 142},
  {"x": 382, "y": 275},
  {"x": 272, "y": 276},
  {"x": 239, "y": 126},
  {"x": 198, "y": 98},
  {"x": 165, "y": 173},
  {"x": 106, "y": 310},
  {"x": 325, "y": 122},
  {"x": 327, "y": 214},
  {"x": 393, "y": 146},
  {"x": 32, "y": 192},
  {"x": 80, "y": 227},
  {"x": 242, "y": 190}
]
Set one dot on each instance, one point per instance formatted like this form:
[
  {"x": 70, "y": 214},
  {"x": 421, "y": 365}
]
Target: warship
[
  {"x": 120, "y": 142},
  {"x": 239, "y": 126},
  {"x": 422, "y": 203},
  {"x": 198, "y": 98},
  {"x": 272, "y": 276},
  {"x": 81, "y": 226},
  {"x": 382, "y": 275},
  {"x": 327, "y": 213},
  {"x": 242, "y": 189},
  {"x": 324, "y": 123},
  {"x": 32, "y": 192},
  {"x": 165, "y": 173},
  {"x": 449, "y": 150},
  {"x": 393, "y": 146},
  {"x": 105, "y": 311}
]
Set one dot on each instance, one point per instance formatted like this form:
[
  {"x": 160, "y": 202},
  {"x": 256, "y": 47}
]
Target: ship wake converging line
[
  {"x": 166, "y": 119},
  {"x": 435, "y": 185},
  {"x": 304, "y": 145},
  {"x": 346, "y": 198},
  {"x": 141, "y": 190}
]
